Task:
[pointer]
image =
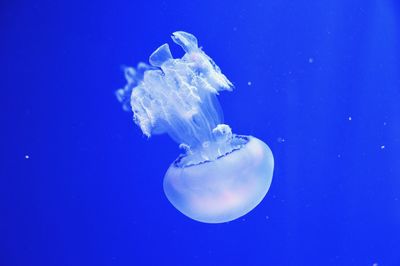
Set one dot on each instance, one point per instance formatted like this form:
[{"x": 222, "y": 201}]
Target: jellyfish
[{"x": 220, "y": 176}]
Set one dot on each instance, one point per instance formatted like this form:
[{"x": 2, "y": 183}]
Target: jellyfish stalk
[{"x": 177, "y": 96}]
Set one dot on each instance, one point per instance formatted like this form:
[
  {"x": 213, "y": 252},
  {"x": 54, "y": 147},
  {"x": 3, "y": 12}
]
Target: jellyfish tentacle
[
  {"x": 161, "y": 55},
  {"x": 177, "y": 96},
  {"x": 187, "y": 41}
]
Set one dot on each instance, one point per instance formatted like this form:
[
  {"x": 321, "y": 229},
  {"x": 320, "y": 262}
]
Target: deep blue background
[{"x": 324, "y": 94}]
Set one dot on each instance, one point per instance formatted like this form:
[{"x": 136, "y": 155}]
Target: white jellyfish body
[{"x": 221, "y": 176}]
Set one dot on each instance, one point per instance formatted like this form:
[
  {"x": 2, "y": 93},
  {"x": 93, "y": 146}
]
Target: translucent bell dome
[{"x": 223, "y": 189}]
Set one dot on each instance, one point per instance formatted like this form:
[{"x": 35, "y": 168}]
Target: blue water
[{"x": 319, "y": 81}]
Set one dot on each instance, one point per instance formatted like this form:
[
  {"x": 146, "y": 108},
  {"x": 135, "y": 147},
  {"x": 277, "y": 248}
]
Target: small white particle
[
  {"x": 267, "y": 217},
  {"x": 339, "y": 155},
  {"x": 27, "y": 156},
  {"x": 310, "y": 60},
  {"x": 382, "y": 147},
  {"x": 249, "y": 83},
  {"x": 384, "y": 123},
  {"x": 375, "y": 264},
  {"x": 350, "y": 118},
  {"x": 281, "y": 140}
]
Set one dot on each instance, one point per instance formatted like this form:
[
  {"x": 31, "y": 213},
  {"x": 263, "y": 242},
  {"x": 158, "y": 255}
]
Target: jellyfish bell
[
  {"x": 220, "y": 176},
  {"x": 223, "y": 189}
]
